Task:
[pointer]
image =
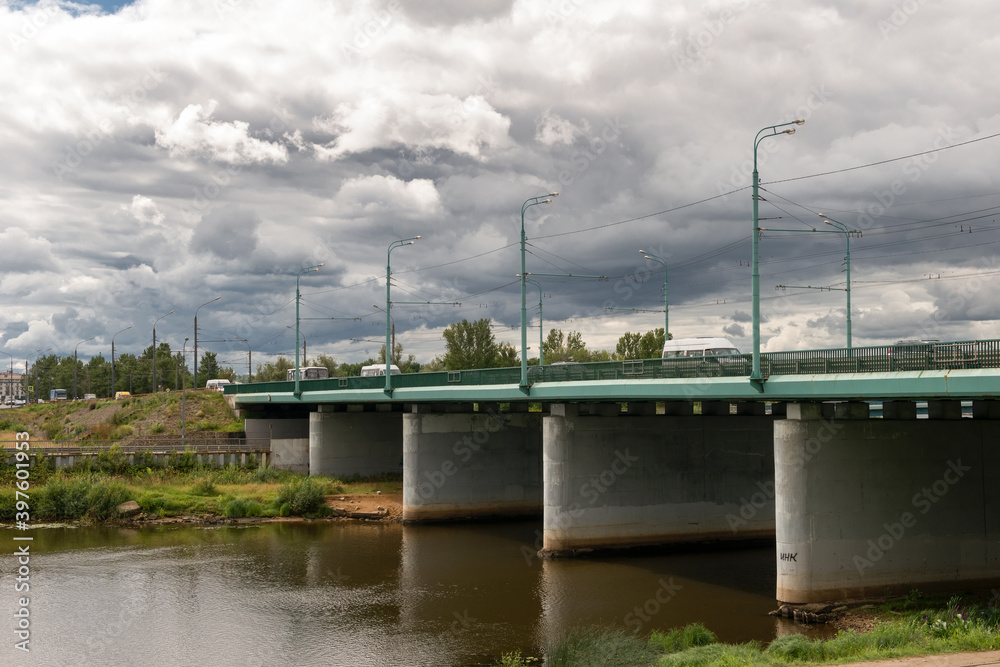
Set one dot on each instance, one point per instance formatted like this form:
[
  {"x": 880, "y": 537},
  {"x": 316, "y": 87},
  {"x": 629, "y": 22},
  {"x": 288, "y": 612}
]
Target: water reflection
[{"x": 358, "y": 594}]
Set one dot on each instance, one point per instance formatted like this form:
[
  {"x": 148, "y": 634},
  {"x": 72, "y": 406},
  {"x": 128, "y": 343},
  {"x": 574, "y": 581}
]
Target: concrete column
[
  {"x": 623, "y": 480},
  {"x": 869, "y": 505},
  {"x": 355, "y": 442},
  {"x": 460, "y": 465}
]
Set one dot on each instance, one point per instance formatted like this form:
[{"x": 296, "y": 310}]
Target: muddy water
[{"x": 355, "y": 594}]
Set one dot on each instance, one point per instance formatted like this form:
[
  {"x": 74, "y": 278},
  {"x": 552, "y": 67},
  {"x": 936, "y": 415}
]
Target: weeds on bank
[
  {"x": 185, "y": 486},
  {"x": 955, "y": 627}
]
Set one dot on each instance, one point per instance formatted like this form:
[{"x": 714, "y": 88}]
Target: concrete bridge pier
[
  {"x": 616, "y": 479},
  {"x": 869, "y": 505},
  {"x": 362, "y": 439},
  {"x": 462, "y": 463}
]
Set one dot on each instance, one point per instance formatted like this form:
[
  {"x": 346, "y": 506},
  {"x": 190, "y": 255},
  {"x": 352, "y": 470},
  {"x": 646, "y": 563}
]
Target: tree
[
  {"x": 641, "y": 346},
  {"x": 208, "y": 368},
  {"x": 469, "y": 345},
  {"x": 327, "y": 362},
  {"x": 404, "y": 365},
  {"x": 273, "y": 371},
  {"x": 560, "y": 347},
  {"x": 507, "y": 356}
]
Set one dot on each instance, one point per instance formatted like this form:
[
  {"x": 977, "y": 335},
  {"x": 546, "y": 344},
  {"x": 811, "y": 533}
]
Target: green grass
[{"x": 948, "y": 627}]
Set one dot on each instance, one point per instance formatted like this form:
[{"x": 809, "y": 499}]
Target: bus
[
  {"x": 308, "y": 373},
  {"x": 376, "y": 370}
]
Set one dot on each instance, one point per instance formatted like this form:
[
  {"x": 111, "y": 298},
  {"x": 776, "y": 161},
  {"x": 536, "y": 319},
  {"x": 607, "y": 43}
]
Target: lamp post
[
  {"x": 113, "y": 360},
  {"x": 37, "y": 352},
  {"x": 10, "y": 377},
  {"x": 75, "y": 362},
  {"x": 155, "y": 389},
  {"x": 184, "y": 388},
  {"x": 391, "y": 319},
  {"x": 846, "y": 231},
  {"x": 541, "y": 326},
  {"x": 756, "y": 379},
  {"x": 666, "y": 301},
  {"x": 298, "y": 275},
  {"x": 528, "y": 203},
  {"x": 196, "y": 337},
  {"x": 388, "y": 307},
  {"x": 249, "y": 358}
]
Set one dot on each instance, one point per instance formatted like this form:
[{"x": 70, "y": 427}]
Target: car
[{"x": 119, "y": 395}]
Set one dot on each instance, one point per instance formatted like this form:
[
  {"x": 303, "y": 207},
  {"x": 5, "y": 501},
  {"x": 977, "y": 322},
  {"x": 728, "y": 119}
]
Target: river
[{"x": 353, "y": 593}]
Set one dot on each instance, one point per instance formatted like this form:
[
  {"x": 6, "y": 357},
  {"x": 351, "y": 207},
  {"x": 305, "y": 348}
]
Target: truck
[{"x": 57, "y": 395}]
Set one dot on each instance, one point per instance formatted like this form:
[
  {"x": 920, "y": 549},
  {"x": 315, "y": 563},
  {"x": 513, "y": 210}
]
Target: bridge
[{"x": 662, "y": 451}]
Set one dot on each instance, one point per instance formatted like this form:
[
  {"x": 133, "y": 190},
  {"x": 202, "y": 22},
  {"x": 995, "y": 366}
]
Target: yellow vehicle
[{"x": 122, "y": 394}]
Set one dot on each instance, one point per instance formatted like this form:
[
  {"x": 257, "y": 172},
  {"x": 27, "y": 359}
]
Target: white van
[
  {"x": 376, "y": 370},
  {"x": 217, "y": 385},
  {"x": 698, "y": 347}
]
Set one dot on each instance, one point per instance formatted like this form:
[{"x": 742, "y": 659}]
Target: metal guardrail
[
  {"x": 877, "y": 359},
  {"x": 164, "y": 446}
]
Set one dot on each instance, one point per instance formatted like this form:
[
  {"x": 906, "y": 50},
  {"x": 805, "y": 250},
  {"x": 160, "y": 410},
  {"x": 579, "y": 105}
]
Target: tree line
[
  {"x": 471, "y": 345},
  {"x": 133, "y": 374}
]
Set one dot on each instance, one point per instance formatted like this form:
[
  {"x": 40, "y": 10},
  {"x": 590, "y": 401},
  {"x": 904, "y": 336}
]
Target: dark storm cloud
[{"x": 228, "y": 233}]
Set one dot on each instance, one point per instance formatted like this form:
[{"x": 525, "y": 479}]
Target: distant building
[{"x": 10, "y": 386}]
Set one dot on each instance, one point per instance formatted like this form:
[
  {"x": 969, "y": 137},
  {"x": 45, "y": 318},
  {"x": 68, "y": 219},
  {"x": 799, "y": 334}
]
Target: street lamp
[
  {"x": 113, "y": 360},
  {"x": 756, "y": 379},
  {"x": 388, "y": 307},
  {"x": 184, "y": 386},
  {"x": 154, "y": 348},
  {"x": 846, "y": 231},
  {"x": 75, "y": 362},
  {"x": 249, "y": 359},
  {"x": 528, "y": 203},
  {"x": 196, "y": 337},
  {"x": 666, "y": 301},
  {"x": 541, "y": 326},
  {"x": 298, "y": 275}
]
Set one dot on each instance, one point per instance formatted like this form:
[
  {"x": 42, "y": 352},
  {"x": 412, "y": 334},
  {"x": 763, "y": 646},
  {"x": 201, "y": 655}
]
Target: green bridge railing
[{"x": 882, "y": 358}]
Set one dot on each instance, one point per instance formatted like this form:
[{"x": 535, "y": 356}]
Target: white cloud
[
  {"x": 467, "y": 126},
  {"x": 195, "y": 133},
  {"x": 550, "y": 129},
  {"x": 144, "y": 210},
  {"x": 371, "y": 195}
]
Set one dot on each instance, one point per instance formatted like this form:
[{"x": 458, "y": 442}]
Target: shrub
[
  {"x": 80, "y": 498},
  {"x": 156, "y": 427},
  {"x": 204, "y": 487},
  {"x": 796, "y": 648},
  {"x": 238, "y": 508},
  {"x": 269, "y": 475},
  {"x": 681, "y": 639},
  {"x": 112, "y": 461},
  {"x": 604, "y": 647},
  {"x": 303, "y": 497}
]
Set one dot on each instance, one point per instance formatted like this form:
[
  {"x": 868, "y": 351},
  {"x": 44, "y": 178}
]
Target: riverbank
[
  {"x": 116, "y": 491},
  {"x": 910, "y": 630}
]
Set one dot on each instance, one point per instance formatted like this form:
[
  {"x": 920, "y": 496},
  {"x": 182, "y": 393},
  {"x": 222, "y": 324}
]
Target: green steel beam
[{"x": 945, "y": 384}]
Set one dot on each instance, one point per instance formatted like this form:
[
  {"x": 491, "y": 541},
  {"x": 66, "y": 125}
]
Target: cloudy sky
[{"x": 160, "y": 153}]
